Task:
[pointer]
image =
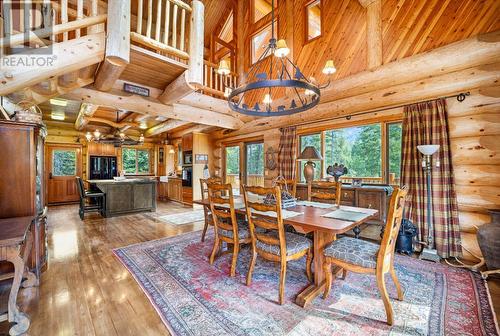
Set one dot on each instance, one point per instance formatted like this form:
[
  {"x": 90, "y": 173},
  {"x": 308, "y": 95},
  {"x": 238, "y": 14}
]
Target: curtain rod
[{"x": 460, "y": 97}]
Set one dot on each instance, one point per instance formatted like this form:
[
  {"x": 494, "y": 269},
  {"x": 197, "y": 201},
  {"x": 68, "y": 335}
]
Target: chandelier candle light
[
  {"x": 429, "y": 252},
  {"x": 265, "y": 78}
]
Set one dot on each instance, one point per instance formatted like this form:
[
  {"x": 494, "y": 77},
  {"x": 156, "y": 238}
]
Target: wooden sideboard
[{"x": 367, "y": 196}]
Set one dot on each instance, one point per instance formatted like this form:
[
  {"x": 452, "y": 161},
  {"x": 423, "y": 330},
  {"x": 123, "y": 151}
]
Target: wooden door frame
[{"x": 48, "y": 162}]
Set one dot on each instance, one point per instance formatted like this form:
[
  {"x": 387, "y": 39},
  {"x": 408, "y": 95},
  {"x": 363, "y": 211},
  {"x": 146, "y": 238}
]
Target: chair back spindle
[
  {"x": 266, "y": 224},
  {"x": 222, "y": 207}
]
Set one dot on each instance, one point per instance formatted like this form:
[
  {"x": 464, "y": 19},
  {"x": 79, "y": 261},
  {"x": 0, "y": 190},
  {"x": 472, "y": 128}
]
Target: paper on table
[
  {"x": 284, "y": 213},
  {"x": 316, "y": 204},
  {"x": 352, "y": 216}
]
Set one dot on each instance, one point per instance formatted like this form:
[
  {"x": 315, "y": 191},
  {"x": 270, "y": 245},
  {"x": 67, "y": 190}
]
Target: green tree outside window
[
  {"x": 315, "y": 141},
  {"x": 135, "y": 161},
  {"x": 64, "y": 163}
]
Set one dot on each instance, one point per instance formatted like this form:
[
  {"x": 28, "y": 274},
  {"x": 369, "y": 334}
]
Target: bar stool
[{"x": 97, "y": 196}]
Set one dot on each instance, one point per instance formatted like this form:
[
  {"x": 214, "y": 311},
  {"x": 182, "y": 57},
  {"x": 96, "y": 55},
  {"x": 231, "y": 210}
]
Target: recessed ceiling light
[
  {"x": 143, "y": 125},
  {"x": 58, "y": 115},
  {"x": 59, "y": 102}
]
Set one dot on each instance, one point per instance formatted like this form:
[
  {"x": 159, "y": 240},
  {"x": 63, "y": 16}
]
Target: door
[
  {"x": 64, "y": 163},
  {"x": 254, "y": 164},
  {"x": 232, "y": 168}
]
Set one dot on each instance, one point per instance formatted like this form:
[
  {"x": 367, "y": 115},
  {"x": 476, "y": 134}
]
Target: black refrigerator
[{"x": 103, "y": 167}]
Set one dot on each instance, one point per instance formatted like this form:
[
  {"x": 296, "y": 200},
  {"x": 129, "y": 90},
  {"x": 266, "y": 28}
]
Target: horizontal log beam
[
  {"x": 164, "y": 127},
  {"x": 477, "y": 50},
  {"x": 86, "y": 111},
  {"x": 111, "y": 123},
  {"x": 176, "y": 90},
  {"x": 430, "y": 88},
  {"x": 66, "y": 57},
  {"x": 152, "y": 107}
]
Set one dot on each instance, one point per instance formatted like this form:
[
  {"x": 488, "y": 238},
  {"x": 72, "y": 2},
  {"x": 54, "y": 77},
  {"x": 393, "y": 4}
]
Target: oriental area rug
[{"x": 193, "y": 297}]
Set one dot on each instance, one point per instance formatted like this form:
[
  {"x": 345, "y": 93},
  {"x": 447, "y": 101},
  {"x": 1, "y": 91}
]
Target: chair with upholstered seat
[
  {"x": 227, "y": 228},
  {"x": 269, "y": 239},
  {"x": 322, "y": 191},
  {"x": 209, "y": 221},
  {"x": 360, "y": 256}
]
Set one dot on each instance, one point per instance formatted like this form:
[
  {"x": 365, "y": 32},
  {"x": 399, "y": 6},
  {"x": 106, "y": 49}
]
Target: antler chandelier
[{"x": 269, "y": 76}]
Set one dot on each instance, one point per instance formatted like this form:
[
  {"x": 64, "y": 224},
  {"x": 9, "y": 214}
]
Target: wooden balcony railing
[
  {"x": 39, "y": 24},
  {"x": 252, "y": 180},
  {"x": 215, "y": 84},
  {"x": 166, "y": 29}
]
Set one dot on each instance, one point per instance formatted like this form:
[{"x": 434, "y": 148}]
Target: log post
[
  {"x": 117, "y": 44},
  {"x": 373, "y": 32},
  {"x": 196, "y": 45}
]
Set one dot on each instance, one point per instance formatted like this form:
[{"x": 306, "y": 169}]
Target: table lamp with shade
[
  {"x": 309, "y": 153},
  {"x": 429, "y": 252}
]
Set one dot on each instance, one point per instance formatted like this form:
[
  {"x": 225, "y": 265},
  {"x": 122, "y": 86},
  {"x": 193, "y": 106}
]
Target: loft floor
[{"x": 86, "y": 291}]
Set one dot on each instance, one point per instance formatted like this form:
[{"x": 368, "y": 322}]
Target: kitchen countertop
[{"x": 130, "y": 180}]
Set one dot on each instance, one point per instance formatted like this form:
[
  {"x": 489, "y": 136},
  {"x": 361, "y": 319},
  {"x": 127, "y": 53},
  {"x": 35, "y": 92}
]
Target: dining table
[{"x": 314, "y": 219}]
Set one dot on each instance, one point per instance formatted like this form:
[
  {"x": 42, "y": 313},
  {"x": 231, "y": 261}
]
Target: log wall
[{"x": 474, "y": 127}]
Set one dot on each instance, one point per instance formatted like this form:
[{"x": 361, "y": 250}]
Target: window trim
[
  {"x": 306, "y": 20},
  {"x": 258, "y": 31},
  {"x": 149, "y": 172}
]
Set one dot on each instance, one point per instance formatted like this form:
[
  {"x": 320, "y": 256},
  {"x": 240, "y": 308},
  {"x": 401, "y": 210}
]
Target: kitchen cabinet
[
  {"x": 187, "y": 142},
  {"x": 174, "y": 189},
  {"x": 98, "y": 149},
  {"x": 187, "y": 195}
]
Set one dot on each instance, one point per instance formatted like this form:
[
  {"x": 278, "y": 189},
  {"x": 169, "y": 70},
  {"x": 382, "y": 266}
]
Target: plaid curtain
[
  {"x": 287, "y": 152},
  {"x": 427, "y": 123}
]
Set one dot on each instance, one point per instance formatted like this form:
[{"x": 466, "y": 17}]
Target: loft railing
[
  {"x": 215, "y": 84},
  {"x": 163, "y": 25},
  {"x": 39, "y": 24}
]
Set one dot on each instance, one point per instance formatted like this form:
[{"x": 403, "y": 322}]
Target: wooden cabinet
[
  {"x": 22, "y": 180},
  {"x": 372, "y": 200},
  {"x": 162, "y": 190},
  {"x": 98, "y": 149},
  {"x": 187, "y": 195},
  {"x": 187, "y": 142},
  {"x": 174, "y": 189}
]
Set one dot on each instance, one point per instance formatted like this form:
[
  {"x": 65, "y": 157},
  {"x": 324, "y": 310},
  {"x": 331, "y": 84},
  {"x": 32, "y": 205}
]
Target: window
[
  {"x": 260, "y": 41},
  {"x": 232, "y": 164},
  {"x": 394, "y": 136},
  {"x": 261, "y": 8},
  {"x": 64, "y": 162},
  {"x": 313, "y": 16},
  {"x": 315, "y": 141},
  {"x": 358, "y": 148},
  {"x": 255, "y": 164},
  {"x": 136, "y": 161},
  {"x": 226, "y": 33}
]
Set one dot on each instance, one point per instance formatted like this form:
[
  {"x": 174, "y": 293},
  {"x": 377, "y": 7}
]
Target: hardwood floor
[{"x": 86, "y": 291}]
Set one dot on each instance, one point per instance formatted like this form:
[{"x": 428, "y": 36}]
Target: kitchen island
[{"x": 127, "y": 196}]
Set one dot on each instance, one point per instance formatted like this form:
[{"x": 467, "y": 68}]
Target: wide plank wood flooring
[{"x": 86, "y": 291}]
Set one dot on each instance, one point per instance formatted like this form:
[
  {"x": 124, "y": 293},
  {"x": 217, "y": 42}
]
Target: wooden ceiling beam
[
  {"x": 374, "y": 34},
  {"x": 150, "y": 106},
  {"x": 67, "y": 57},
  {"x": 195, "y": 128},
  {"x": 176, "y": 90},
  {"x": 111, "y": 123},
  {"x": 408, "y": 93},
  {"x": 164, "y": 127},
  {"x": 117, "y": 45},
  {"x": 86, "y": 112},
  {"x": 477, "y": 50}
]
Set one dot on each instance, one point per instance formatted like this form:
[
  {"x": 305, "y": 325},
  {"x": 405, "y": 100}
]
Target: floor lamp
[{"x": 429, "y": 252}]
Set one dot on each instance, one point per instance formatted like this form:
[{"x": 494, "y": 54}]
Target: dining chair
[
  {"x": 269, "y": 239},
  {"x": 324, "y": 191},
  {"x": 204, "y": 195},
  {"x": 227, "y": 227},
  {"x": 290, "y": 184},
  {"x": 360, "y": 256}
]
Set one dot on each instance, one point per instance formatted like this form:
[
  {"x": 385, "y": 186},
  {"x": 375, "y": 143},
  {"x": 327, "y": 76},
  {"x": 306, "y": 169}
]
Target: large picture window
[
  {"x": 357, "y": 148},
  {"x": 315, "y": 141},
  {"x": 136, "y": 161}
]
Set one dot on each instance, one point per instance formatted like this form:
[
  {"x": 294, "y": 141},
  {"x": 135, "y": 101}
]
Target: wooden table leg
[
  {"x": 321, "y": 240},
  {"x": 15, "y": 315}
]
